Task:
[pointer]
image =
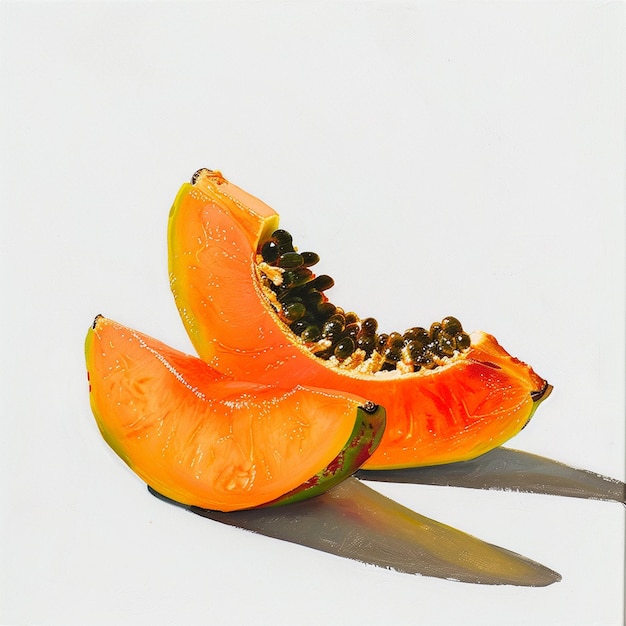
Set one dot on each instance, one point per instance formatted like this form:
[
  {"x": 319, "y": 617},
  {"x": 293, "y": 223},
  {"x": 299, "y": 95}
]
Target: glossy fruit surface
[
  {"x": 203, "y": 439},
  {"x": 474, "y": 401}
]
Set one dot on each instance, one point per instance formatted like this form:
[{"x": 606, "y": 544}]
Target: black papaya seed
[
  {"x": 294, "y": 311},
  {"x": 311, "y": 333},
  {"x": 299, "y": 326},
  {"x": 435, "y": 329},
  {"x": 339, "y": 318},
  {"x": 351, "y": 318},
  {"x": 351, "y": 330},
  {"x": 369, "y": 325},
  {"x": 289, "y": 276},
  {"x": 284, "y": 293},
  {"x": 312, "y": 297},
  {"x": 367, "y": 343},
  {"x": 325, "y": 354},
  {"x": 415, "y": 349},
  {"x": 381, "y": 341},
  {"x": 392, "y": 354},
  {"x": 417, "y": 333},
  {"x": 297, "y": 277},
  {"x": 447, "y": 345},
  {"x": 344, "y": 348},
  {"x": 290, "y": 260},
  {"x": 451, "y": 326},
  {"x": 282, "y": 237},
  {"x": 326, "y": 309},
  {"x": 332, "y": 327},
  {"x": 332, "y": 335},
  {"x": 395, "y": 340},
  {"x": 322, "y": 282},
  {"x": 270, "y": 251},
  {"x": 463, "y": 341},
  {"x": 310, "y": 258}
]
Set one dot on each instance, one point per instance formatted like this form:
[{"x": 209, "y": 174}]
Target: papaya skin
[
  {"x": 365, "y": 438},
  {"x": 203, "y": 439},
  {"x": 472, "y": 404}
]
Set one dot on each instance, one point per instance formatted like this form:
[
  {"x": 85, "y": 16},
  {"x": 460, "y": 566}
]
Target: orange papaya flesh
[
  {"x": 471, "y": 403},
  {"x": 203, "y": 439}
]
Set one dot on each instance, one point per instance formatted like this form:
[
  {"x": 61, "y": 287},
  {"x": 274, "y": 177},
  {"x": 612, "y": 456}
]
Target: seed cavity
[{"x": 343, "y": 338}]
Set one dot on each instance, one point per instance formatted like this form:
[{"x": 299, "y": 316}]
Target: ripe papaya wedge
[
  {"x": 203, "y": 439},
  {"x": 254, "y": 310}
]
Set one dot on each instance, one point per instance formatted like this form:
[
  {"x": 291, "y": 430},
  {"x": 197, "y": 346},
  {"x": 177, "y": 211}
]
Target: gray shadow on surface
[
  {"x": 355, "y": 522},
  {"x": 510, "y": 470}
]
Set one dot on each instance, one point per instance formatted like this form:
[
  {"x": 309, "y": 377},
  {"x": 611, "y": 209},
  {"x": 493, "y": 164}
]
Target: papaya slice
[
  {"x": 203, "y": 439},
  {"x": 241, "y": 286}
]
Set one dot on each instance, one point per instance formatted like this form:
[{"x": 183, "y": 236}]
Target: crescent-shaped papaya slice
[
  {"x": 240, "y": 287},
  {"x": 203, "y": 439}
]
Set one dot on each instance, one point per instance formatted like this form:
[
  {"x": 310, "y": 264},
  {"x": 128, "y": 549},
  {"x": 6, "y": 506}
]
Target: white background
[{"x": 443, "y": 158}]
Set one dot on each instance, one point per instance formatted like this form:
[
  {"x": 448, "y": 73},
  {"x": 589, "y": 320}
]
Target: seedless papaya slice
[
  {"x": 203, "y": 439},
  {"x": 241, "y": 287}
]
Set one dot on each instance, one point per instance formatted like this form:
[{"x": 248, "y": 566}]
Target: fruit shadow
[
  {"x": 356, "y": 522},
  {"x": 510, "y": 470}
]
